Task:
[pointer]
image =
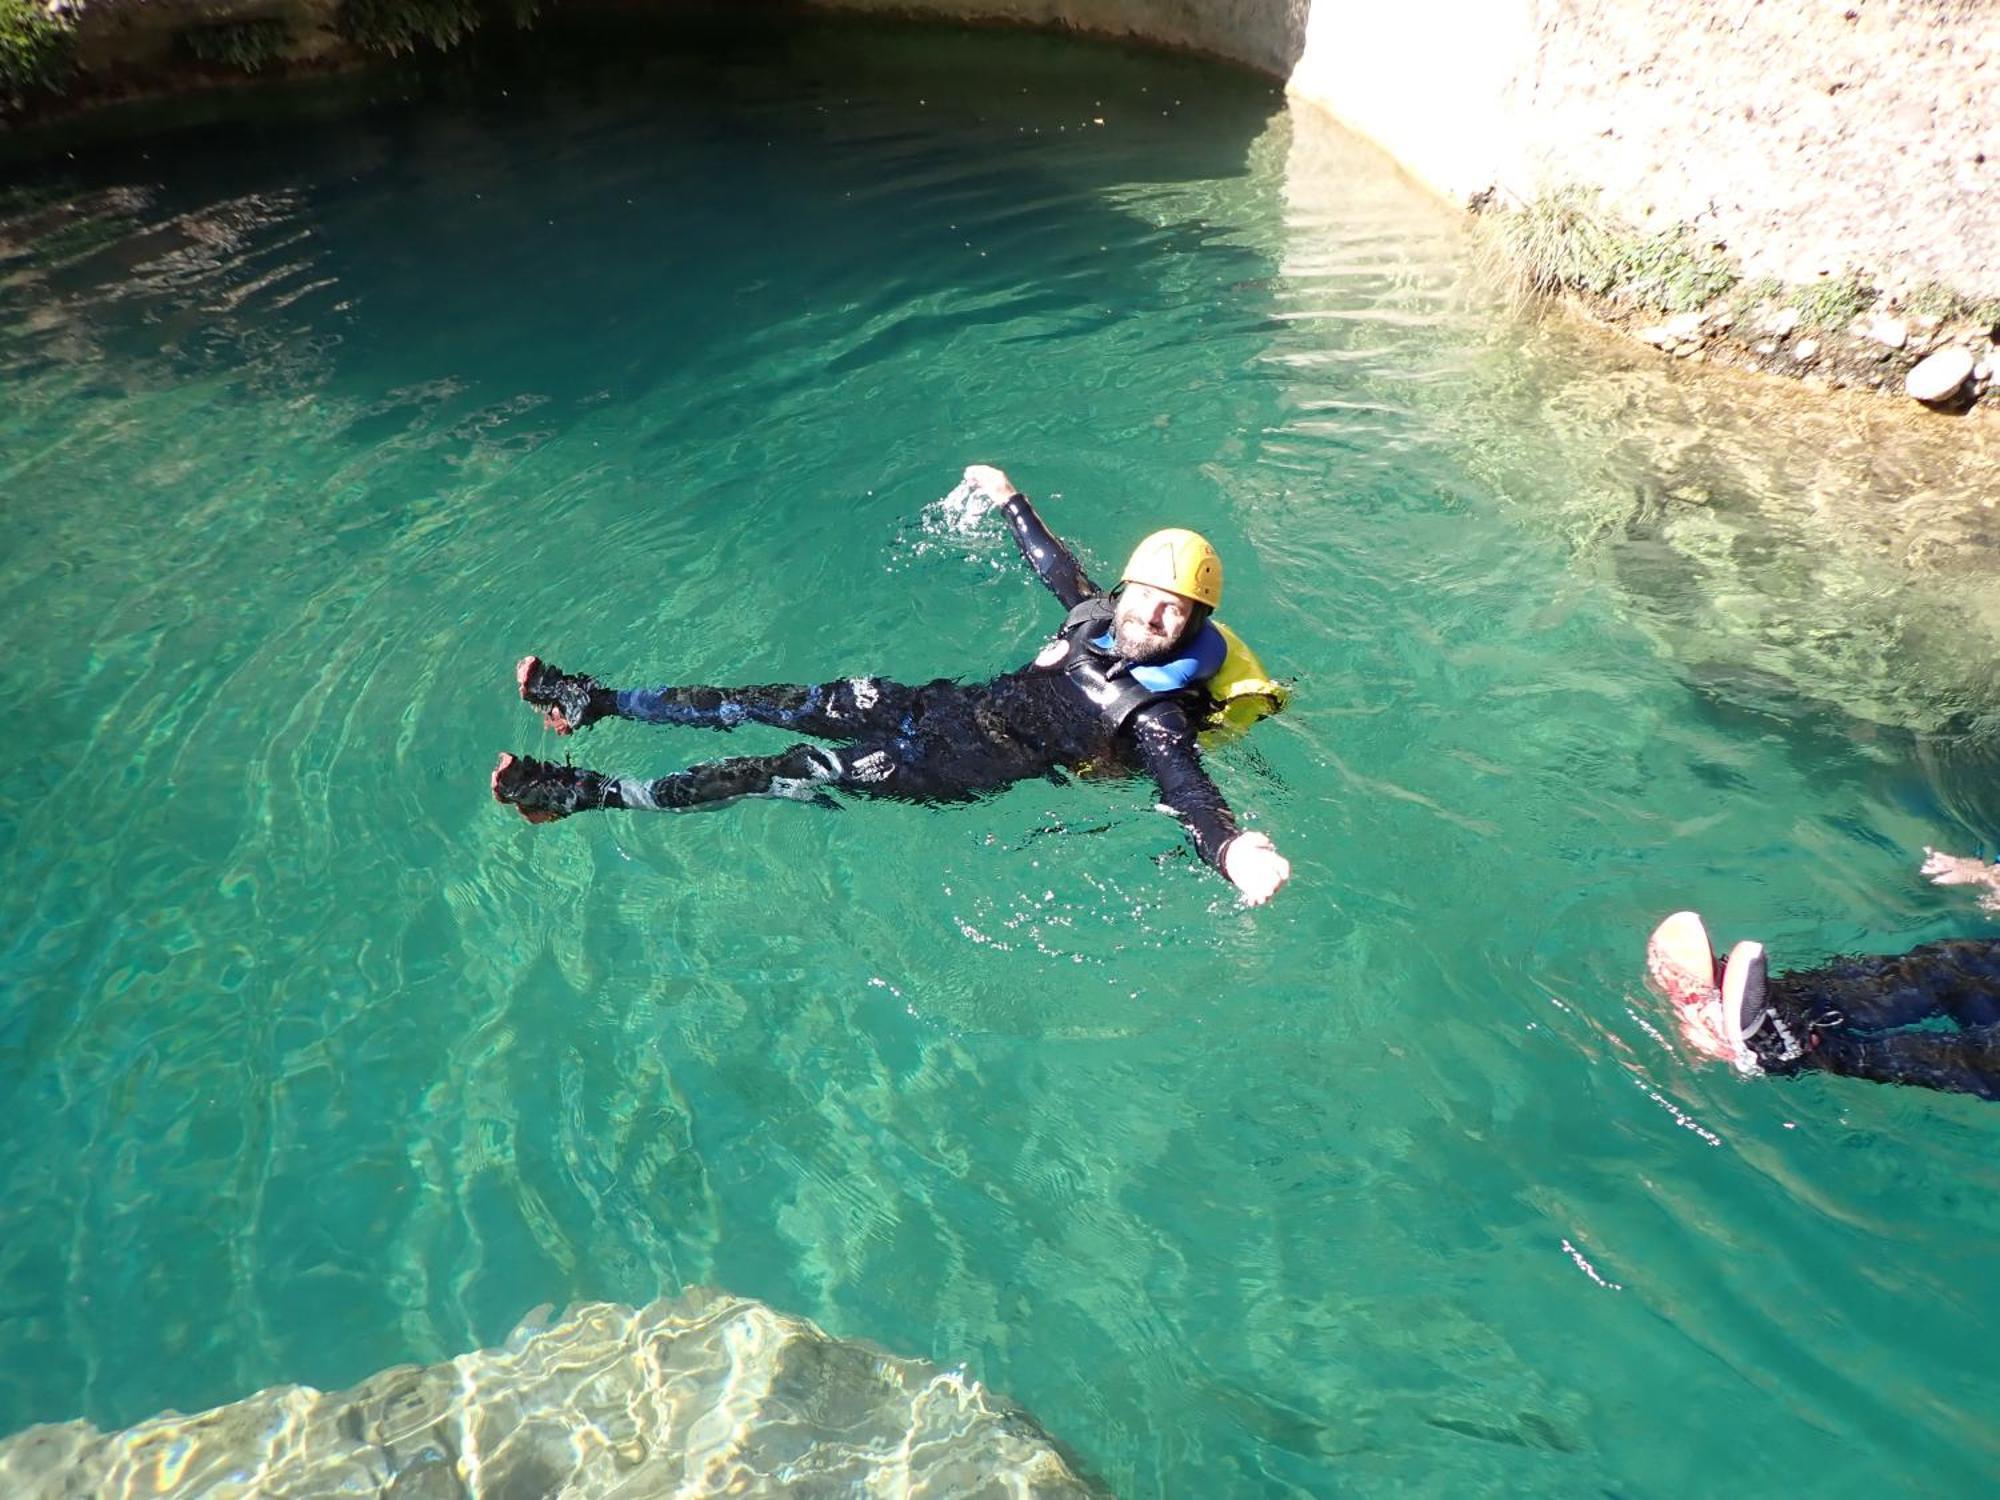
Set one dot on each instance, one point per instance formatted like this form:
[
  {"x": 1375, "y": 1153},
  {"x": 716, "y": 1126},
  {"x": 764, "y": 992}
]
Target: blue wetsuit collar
[{"x": 1202, "y": 660}]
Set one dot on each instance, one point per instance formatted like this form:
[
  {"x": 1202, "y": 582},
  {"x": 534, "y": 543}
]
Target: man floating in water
[
  {"x": 1868, "y": 1017},
  {"x": 1130, "y": 679}
]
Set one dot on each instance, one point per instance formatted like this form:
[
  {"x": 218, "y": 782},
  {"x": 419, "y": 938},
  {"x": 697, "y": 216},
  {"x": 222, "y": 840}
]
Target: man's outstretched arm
[
  {"x": 1053, "y": 563},
  {"x": 1958, "y": 869},
  {"x": 1250, "y": 861}
]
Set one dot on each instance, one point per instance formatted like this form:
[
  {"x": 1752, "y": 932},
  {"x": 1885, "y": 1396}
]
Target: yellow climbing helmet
[{"x": 1179, "y": 561}]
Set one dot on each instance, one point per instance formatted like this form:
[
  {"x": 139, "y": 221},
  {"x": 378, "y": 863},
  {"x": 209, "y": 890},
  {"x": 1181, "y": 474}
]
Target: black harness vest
[{"x": 1100, "y": 675}]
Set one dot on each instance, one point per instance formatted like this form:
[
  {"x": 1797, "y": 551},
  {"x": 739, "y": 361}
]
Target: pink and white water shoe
[{"x": 1718, "y": 1004}]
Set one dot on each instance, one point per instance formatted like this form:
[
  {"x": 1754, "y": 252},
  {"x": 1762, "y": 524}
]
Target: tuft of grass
[
  {"x": 1752, "y": 295},
  {"x": 1673, "y": 271},
  {"x": 37, "y": 51},
  {"x": 1557, "y": 243},
  {"x": 1833, "y": 301},
  {"x": 1936, "y": 300},
  {"x": 248, "y": 46},
  {"x": 1563, "y": 242},
  {"x": 401, "y": 26}
]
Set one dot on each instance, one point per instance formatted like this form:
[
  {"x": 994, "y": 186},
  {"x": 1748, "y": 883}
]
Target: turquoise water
[{"x": 317, "y": 417}]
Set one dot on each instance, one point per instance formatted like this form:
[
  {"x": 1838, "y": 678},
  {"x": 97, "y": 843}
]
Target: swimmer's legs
[
  {"x": 1853, "y": 1006},
  {"x": 1842, "y": 1017},
  {"x": 1958, "y": 978},
  {"x": 1957, "y": 1062},
  {"x": 542, "y": 791},
  {"x": 845, "y": 709}
]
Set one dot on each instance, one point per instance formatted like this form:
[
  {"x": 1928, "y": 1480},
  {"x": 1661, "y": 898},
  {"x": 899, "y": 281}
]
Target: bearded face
[{"x": 1149, "y": 622}]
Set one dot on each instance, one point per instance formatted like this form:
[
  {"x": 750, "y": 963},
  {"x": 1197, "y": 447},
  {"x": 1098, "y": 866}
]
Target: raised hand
[
  {"x": 1958, "y": 869},
  {"x": 1255, "y": 867},
  {"x": 990, "y": 482}
]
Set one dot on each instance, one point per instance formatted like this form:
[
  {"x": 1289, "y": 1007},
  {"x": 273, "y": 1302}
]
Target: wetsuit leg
[
  {"x": 1958, "y": 1062},
  {"x": 1852, "y": 1008},
  {"x": 800, "y": 772},
  {"x": 1958, "y": 978},
  {"x": 957, "y": 748},
  {"x": 847, "y": 709},
  {"x": 910, "y": 770}
]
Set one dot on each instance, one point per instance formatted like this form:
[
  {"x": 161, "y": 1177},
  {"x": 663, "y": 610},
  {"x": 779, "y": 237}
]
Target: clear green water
[{"x": 314, "y": 1061}]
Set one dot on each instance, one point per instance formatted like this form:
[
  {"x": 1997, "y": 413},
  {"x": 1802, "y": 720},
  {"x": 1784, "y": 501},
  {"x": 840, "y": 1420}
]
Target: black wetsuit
[
  {"x": 1852, "y": 1016},
  {"x": 941, "y": 741}
]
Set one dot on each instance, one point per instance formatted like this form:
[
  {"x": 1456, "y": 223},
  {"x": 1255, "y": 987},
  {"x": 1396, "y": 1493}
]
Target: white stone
[
  {"x": 1686, "y": 326},
  {"x": 1940, "y": 377},
  {"x": 1805, "y": 348},
  {"x": 1782, "y": 322},
  {"x": 1659, "y": 334},
  {"x": 1891, "y": 331}
]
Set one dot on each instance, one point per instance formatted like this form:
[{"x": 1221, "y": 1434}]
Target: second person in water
[{"x": 1929, "y": 1017}]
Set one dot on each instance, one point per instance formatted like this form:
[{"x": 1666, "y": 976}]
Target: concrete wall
[
  {"x": 1268, "y": 35},
  {"x": 1810, "y": 136}
]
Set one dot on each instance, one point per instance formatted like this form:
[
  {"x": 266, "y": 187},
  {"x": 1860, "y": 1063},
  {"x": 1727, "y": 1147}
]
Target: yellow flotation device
[{"x": 1241, "y": 690}]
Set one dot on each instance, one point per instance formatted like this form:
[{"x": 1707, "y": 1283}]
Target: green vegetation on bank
[
  {"x": 37, "y": 51},
  {"x": 396, "y": 27},
  {"x": 1833, "y": 301},
  {"x": 1566, "y": 242},
  {"x": 248, "y": 46},
  {"x": 38, "y": 43},
  {"x": 1936, "y": 300},
  {"x": 1750, "y": 295}
]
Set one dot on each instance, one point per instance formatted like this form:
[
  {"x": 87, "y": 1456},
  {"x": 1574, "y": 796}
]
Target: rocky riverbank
[
  {"x": 1946, "y": 366},
  {"x": 1691, "y": 302},
  {"x": 1797, "y": 188}
]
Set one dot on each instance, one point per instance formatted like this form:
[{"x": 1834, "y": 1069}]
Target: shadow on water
[{"x": 211, "y": 246}]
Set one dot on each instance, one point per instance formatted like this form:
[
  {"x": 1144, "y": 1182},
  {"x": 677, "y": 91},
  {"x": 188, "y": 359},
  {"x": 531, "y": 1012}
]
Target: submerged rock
[{"x": 701, "y": 1394}]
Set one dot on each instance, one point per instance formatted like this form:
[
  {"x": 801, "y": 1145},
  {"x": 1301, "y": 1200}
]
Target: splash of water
[{"x": 961, "y": 512}]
